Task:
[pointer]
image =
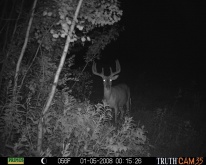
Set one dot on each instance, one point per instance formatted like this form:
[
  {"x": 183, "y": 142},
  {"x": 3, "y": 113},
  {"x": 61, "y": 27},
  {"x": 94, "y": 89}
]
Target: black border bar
[{"x": 104, "y": 160}]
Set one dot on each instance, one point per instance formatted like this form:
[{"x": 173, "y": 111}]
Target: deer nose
[{"x": 107, "y": 86}]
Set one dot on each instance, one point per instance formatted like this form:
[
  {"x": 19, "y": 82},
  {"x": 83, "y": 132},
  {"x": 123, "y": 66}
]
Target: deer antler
[
  {"x": 94, "y": 70},
  {"x": 118, "y": 69}
]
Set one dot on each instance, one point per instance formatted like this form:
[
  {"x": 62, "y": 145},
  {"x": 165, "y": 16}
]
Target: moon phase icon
[{"x": 43, "y": 160}]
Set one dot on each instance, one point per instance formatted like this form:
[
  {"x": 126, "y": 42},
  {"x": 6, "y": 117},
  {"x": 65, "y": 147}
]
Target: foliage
[
  {"x": 68, "y": 121},
  {"x": 100, "y": 40},
  {"x": 169, "y": 129},
  {"x": 12, "y": 117},
  {"x": 54, "y": 19},
  {"x": 81, "y": 129},
  {"x": 171, "y": 134},
  {"x": 82, "y": 88},
  {"x": 57, "y": 21}
]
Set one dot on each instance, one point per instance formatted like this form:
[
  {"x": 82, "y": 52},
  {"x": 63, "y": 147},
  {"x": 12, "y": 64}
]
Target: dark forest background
[{"x": 161, "y": 50}]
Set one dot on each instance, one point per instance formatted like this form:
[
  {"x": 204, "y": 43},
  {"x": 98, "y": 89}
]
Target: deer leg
[
  {"x": 122, "y": 112},
  {"x": 128, "y": 107},
  {"x": 116, "y": 114}
]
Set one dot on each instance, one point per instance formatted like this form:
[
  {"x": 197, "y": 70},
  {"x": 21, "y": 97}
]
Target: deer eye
[
  {"x": 104, "y": 80},
  {"x": 110, "y": 80}
]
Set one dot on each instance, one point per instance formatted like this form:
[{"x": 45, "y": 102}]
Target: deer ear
[{"x": 115, "y": 77}]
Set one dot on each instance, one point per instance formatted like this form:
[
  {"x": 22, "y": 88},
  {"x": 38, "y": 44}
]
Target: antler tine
[
  {"x": 110, "y": 71},
  {"x": 94, "y": 70},
  {"x": 102, "y": 73},
  {"x": 118, "y": 69}
]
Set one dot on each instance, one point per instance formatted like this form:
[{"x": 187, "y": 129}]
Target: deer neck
[{"x": 107, "y": 93}]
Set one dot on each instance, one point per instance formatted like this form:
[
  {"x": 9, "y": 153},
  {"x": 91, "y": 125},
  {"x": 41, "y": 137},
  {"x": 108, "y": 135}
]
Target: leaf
[
  {"x": 55, "y": 35},
  {"x": 49, "y": 14},
  {"x": 44, "y": 13}
]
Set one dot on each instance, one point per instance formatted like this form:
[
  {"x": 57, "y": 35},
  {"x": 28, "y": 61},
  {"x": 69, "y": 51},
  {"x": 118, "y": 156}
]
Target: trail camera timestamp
[{"x": 111, "y": 161}]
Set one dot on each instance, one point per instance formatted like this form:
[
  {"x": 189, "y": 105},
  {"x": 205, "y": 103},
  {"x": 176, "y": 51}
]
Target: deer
[{"x": 115, "y": 96}]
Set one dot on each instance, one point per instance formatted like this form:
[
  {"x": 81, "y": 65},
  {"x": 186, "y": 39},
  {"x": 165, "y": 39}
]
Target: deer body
[{"x": 116, "y": 96}]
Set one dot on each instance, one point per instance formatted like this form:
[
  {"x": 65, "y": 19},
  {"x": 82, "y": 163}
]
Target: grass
[{"x": 172, "y": 130}]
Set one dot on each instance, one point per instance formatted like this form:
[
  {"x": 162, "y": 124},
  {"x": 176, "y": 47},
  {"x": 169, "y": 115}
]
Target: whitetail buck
[{"x": 116, "y": 96}]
